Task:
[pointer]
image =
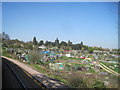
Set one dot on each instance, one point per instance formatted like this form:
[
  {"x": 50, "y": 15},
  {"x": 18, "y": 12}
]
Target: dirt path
[{"x": 108, "y": 69}]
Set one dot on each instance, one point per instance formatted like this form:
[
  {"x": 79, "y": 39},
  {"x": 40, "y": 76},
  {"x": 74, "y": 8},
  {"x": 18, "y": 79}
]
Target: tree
[
  {"x": 5, "y": 39},
  {"x": 63, "y": 43},
  {"x": 81, "y": 44},
  {"x": 85, "y": 47},
  {"x": 5, "y": 36},
  {"x": 77, "y": 47},
  {"x": 57, "y": 42},
  {"x": 29, "y": 45},
  {"x": 90, "y": 49},
  {"x": 34, "y": 57},
  {"x": 46, "y": 43},
  {"x": 41, "y": 43},
  {"x": 35, "y": 48},
  {"x": 69, "y": 43},
  {"x": 52, "y": 44},
  {"x": 35, "y": 41}
]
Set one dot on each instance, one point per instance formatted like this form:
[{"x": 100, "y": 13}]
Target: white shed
[{"x": 42, "y": 47}]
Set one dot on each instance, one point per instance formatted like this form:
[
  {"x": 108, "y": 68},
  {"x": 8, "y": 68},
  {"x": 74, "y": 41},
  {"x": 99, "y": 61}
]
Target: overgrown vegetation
[
  {"x": 75, "y": 81},
  {"x": 34, "y": 58},
  {"x": 98, "y": 84}
]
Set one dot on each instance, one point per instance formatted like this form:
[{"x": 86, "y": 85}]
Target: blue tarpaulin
[{"x": 46, "y": 52}]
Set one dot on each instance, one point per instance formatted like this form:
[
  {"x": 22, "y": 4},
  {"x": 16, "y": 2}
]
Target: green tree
[
  {"x": 63, "y": 43},
  {"x": 57, "y": 42},
  {"x": 76, "y": 47},
  {"x": 29, "y": 45},
  {"x": 34, "y": 57},
  {"x": 46, "y": 43},
  {"x": 81, "y": 44},
  {"x": 69, "y": 43},
  {"x": 41, "y": 43},
  {"x": 85, "y": 47},
  {"x": 5, "y": 36},
  {"x": 5, "y": 40},
  {"x": 90, "y": 49},
  {"x": 35, "y": 41},
  {"x": 52, "y": 44}
]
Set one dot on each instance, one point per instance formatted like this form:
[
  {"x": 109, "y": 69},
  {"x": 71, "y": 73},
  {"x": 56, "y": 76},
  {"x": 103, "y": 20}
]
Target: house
[
  {"x": 42, "y": 47},
  {"x": 68, "y": 55}
]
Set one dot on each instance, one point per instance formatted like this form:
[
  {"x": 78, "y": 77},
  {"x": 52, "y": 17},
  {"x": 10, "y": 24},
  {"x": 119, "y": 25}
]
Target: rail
[
  {"x": 22, "y": 83},
  {"x": 15, "y": 75}
]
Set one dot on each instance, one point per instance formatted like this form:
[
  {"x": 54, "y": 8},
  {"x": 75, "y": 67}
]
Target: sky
[{"x": 94, "y": 23}]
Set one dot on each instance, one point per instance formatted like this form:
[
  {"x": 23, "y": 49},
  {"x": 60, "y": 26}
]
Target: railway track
[
  {"x": 42, "y": 79},
  {"x": 24, "y": 79},
  {"x": 14, "y": 75}
]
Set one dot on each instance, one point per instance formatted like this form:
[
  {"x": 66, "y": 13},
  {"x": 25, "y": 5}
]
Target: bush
[
  {"x": 4, "y": 52},
  {"x": 76, "y": 81},
  {"x": 98, "y": 84},
  {"x": 34, "y": 57},
  {"x": 64, "y": 57}
]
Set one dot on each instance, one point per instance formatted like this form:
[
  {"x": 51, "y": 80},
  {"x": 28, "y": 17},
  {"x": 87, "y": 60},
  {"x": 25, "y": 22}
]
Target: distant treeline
[{"x": 7, "y": 42}]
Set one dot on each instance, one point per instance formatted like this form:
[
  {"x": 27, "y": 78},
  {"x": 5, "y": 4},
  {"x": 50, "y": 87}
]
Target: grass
[
  {"x": 60, "y": 78},
  {"x": 75, "y": 58},
  {"x": 79, "y": 64},
  {"x": 41, "y": 70},
  {"x": 8, "y": 56},
  {"x": 38, "y": 68},
  {"x": 111, "y": 64},
  {"x": 75, "y": 81},
  {"x": 98, "y": 84},
  {"x": 92, "y": 70}
]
